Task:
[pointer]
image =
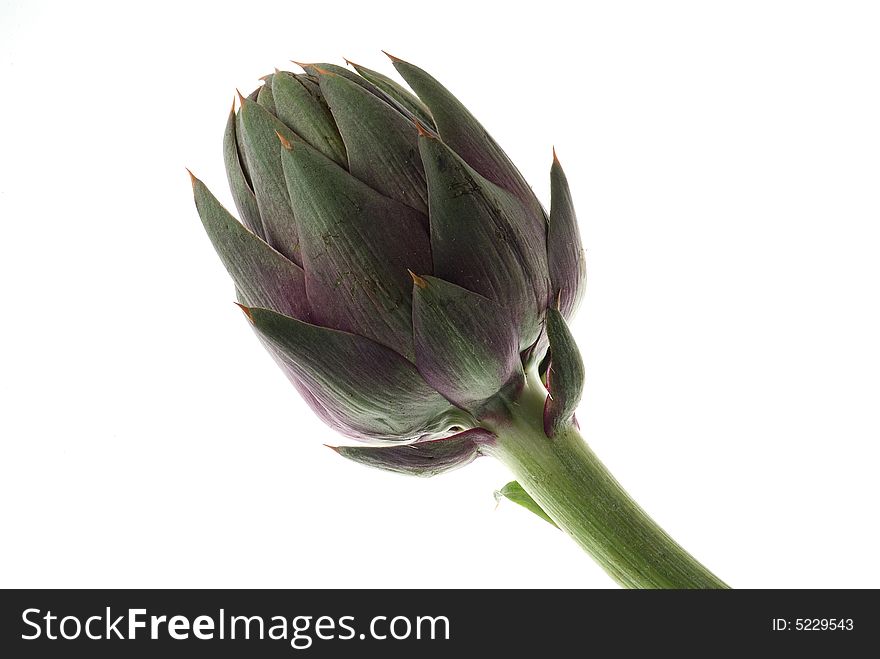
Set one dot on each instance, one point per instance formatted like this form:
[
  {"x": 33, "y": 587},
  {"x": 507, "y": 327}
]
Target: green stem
[{"x": 575, "y": 489}]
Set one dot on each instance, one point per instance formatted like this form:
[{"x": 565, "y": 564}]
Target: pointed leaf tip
[
  {"x": 391, "y": 57},
  {"x": 192, "y": 177},
  {"x": 305, "y": 66},
  {"x": 284, "y": 141},
  {"x": 393, "y": 93},
  {"x": 246, "y": 310},
  {"x": 418, "y": 281},
  {"x": 240, "y": 97},
  {"x": 555, "y": 157}
]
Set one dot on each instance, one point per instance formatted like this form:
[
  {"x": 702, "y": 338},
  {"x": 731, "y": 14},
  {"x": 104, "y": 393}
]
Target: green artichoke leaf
[
  {"x": 259, "y": 138},
  {"x": 565, "y": 255},
  {"x": 265, "y": 96},
  {"x": 306, "y": 113},
  {"x": 324, "y": 68},
  {"x": 564, "y": 377},
  {"x": 262, "y": 276},
  {"x": 397, "y": 91},
  {"x": 316, "y": 70},
  {"x": 466, "y": 136},
  {"x": 378, "y": 393},
  {"x": 513, "y": 491},
  {"x": 382, "y": 144},
  {"x": 242, "y": 193},
  {"x": 466, "y": 344},
  {"x": 239, "y": 133},
  {"x": 423, "y": 458},
  {"x": 478, "y": 239},
  {"x": 357, "y": 246}
]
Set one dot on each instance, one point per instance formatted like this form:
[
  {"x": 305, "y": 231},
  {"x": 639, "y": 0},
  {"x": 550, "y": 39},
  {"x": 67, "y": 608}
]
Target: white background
[{"x": 725, "y": 163}]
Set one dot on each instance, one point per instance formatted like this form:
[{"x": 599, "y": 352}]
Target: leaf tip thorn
[
  {"x": 246, "y": 310},
  {"x": 421, "y": 282},
  {"x": 284, "y": 141},
  {"x": 421, "y": 129}
]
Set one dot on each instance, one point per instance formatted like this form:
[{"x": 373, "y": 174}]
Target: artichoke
[{"x": 400, "y": 270}]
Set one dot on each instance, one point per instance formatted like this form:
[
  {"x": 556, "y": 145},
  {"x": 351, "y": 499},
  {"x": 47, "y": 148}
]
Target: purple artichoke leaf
[
  {"x": 477, "y": 242},
  {"x": 382, "y": 144},
  {"x": 565, "y": 255},
  {"x": 242, "y": 192},
  {"x": 376, "y": 393},
  {"x": 424, "y": 459},
  {"x": 466, "y": 136},
  {"x": 332, "y": 412},
  {"x": 397, "y": 91},
  {"x": 564, "y": 377},
  {"x": 466, "y": 344},
  {"x": 337, "y": 414},
  {"x": 333, "y": 418},
  {"x": 264, "y": 277},
  {"x": 356, "y": 246},
  {"x": 300, "y": 106},
  {"x": 259, "y": 137}
]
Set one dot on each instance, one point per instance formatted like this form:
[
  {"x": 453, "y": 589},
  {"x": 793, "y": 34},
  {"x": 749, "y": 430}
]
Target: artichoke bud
[{"x": 391, "y": 258}]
